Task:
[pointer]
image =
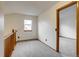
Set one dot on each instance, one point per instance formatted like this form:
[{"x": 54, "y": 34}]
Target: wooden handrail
[{"x": 10, "y": 42}]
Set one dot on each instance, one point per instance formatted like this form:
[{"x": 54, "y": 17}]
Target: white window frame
[{"x": 27, "y": 23}]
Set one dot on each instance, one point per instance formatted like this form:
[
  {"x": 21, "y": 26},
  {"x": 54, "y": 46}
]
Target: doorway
[{"x": 58, "y": 33}]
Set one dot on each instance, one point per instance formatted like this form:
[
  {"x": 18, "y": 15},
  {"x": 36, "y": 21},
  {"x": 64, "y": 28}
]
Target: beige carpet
[{"x": 33, "y": 48}]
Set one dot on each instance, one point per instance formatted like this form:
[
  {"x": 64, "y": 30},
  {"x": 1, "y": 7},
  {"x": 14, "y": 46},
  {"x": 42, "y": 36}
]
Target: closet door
[{"x": 68, "y": 31}]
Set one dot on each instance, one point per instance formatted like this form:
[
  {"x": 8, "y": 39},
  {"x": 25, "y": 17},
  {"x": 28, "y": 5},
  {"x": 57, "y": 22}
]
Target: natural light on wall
[{"x": 27, "y": 25}]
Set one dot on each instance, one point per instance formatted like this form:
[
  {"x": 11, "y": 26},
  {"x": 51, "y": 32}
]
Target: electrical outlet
[
  {"x": 45, "y": 39},
  {"x": 18, "y": 37}
]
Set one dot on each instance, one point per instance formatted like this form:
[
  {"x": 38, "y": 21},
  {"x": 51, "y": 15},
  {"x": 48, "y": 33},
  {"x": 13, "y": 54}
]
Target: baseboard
[
  {"x": 48, "y": 45},
  {"x": 25, "y": 40}
]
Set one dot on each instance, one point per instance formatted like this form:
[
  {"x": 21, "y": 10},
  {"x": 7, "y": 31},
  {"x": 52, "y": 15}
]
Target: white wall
[
  {"x": 68, "y": 22},
  {"x": 1, "y": 34},
  {"x": 47, "y": 25},
  {"x": 16, "y": 21}
]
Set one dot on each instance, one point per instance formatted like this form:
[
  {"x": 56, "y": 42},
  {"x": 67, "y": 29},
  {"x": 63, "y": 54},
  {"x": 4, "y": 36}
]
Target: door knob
[{"x": 55, "y": 29}]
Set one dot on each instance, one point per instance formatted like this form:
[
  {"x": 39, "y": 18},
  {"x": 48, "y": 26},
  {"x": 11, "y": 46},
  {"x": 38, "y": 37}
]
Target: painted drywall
[
  {"x": 1, "y": 34},
  {"x": 16, "y": 21},
  {"x": 47, "y": 25},
  {"x": 68, "y": 22},
  {"x": 26, "y": 7}
]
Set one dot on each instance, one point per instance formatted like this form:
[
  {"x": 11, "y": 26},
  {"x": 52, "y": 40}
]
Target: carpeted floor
[{"x": 33, "y": 48}]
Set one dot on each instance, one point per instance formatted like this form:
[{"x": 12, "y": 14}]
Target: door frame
[{"x": 77, "y": 27}]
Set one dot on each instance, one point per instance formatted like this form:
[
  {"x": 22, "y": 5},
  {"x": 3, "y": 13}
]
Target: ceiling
[{"x": 26, "y": 7}]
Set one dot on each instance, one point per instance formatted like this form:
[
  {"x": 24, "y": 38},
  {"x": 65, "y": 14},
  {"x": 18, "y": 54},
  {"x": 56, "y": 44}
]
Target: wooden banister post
[
  {"x": 12, "y": 30},
  {"x": 10, "y": 43}
]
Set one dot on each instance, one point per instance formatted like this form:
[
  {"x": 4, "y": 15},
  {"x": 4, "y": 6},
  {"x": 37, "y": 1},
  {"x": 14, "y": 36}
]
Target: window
[{"x": 27, "y": 25}]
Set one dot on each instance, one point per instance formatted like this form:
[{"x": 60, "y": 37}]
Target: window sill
[{"x": 27, "y": 30}]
